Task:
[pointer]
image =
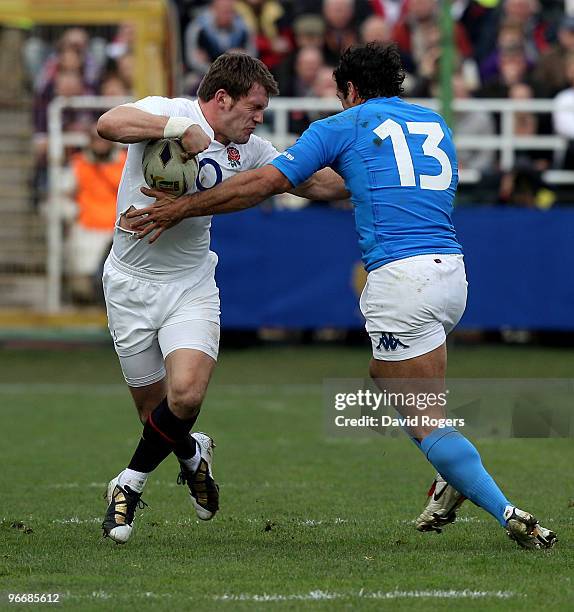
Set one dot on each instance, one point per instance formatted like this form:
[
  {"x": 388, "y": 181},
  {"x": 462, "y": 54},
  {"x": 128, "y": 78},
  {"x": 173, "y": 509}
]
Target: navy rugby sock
[
  {"x": 458, "y": 462},
  {"x": 163, "y": 432},
  {"x": 186, "y": 448}
]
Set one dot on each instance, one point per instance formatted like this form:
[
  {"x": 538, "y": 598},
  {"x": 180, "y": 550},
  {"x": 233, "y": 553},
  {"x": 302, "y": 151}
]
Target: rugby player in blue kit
[{"x": 398, "y": 162}]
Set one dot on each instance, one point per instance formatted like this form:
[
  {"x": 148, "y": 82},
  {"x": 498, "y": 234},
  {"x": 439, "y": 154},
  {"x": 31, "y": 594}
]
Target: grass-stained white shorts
[
  {"x": 410, "y": 305},
  {"x": 150, "y": 318}
]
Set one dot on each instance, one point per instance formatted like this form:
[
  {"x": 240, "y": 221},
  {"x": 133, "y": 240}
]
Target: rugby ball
[{"x": 165, "y": 169}]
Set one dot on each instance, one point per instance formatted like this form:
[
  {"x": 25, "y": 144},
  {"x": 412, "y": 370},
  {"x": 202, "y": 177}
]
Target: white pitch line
[
  {"x": 76, "y": 485},
  {"x": 459, "y": 519},
  {"x": 104, "y": 595},
  {"x": 317, "y": 595},
  {"x": 320, "y": 595},
  {"x": 74, "y": 520}
]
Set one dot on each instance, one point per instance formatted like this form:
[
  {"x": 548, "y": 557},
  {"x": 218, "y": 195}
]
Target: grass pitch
[{"x": 307, "y": 521}]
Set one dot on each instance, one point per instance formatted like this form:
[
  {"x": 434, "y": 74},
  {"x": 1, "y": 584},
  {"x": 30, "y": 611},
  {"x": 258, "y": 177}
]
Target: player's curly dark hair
[
  {"x": 236, "y": 72},
  {"x": 374, "y": 69}
]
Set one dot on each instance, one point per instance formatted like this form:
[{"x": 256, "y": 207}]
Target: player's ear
[
  {"x": 353, "y": 93},
  {"x": 222, "y": 98}
]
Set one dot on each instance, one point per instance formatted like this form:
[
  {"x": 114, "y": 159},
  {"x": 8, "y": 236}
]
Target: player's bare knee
[
  {"x": 144, "y": 410},
  {"x": 185, "y": 402}
]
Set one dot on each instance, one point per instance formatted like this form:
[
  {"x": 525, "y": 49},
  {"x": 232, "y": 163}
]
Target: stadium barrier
[
  {"x": 302, "y": 269},
  {"x": 506, "y": 143}
]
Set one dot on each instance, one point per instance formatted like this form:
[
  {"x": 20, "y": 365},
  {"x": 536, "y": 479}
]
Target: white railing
[
  {"x": 506, "y": 143},
  {"x": 57, "y": 141}
]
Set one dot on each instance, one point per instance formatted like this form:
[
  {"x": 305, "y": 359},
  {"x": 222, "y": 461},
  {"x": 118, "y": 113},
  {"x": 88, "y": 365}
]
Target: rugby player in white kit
[{"x": 162, "y": 300}]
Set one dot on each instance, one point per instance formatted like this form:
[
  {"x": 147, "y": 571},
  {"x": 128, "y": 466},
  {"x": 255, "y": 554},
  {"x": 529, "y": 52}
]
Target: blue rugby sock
[{"x": 458, "y": 462}]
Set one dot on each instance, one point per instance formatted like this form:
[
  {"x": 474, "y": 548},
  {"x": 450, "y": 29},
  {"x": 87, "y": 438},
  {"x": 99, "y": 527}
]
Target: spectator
[
  {"x": 513, "y": 69},
  {"x": 217, "y": 29},
  {"x": 65, "y": 83},
  {"x": 125, "y": 67},
  {"x": 563, "y": 115},
  {"x": 528, "y": 16},
  {"x": 550, "y": 71},
  {"x": 390, "y": 10},
  {"x": 524, "y": 185},
  {"x": 527, "y": 123},
  {"x": 96, "y": 171},
  {"x": 510, "y": 37},
  {"x": 419, "y": 40},
  {"x": 267, "y": 19},
  {"x": 324, "y": 86},
  {"x": 123, "y": 42},
  {"x": 340, "y": 32},
  {"x": 375, "y": 29},
  {"x": 308, "y": 63},
  {"x": 472, "y": 123},
  {"x": 309, "y": 31},
  {"x": 113, "y": 85},
  {"x": 309, "y": 34},
  {"x": 478, "y": 18},
  {"x": 75, "y": 40}
]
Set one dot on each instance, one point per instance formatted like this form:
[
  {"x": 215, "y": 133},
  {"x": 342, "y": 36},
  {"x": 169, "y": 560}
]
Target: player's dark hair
[
  {"x": 374, "y": 69},
  {"x": 236, "y": 73}
]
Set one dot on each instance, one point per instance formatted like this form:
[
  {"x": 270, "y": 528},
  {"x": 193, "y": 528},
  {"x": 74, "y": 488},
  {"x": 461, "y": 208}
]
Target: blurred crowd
[
  {"x": 77, "y": 62},
  {"x": 74, "y": 64},
  {"x": 520, "y": 49}
]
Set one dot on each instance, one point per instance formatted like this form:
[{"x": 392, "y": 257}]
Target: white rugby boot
[
  {"x": 203, "y": 489},
  {"x": 526, "y": 531},
  {"x": 122, "y": 505},
  {"x": 442, "y": 504}
]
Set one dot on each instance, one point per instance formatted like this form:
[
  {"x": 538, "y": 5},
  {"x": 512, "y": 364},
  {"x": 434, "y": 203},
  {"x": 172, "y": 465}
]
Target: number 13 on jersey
[{"x": 434, "y": 135}]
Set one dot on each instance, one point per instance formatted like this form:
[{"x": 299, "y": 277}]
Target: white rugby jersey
[{"x": 183, "y": 249}]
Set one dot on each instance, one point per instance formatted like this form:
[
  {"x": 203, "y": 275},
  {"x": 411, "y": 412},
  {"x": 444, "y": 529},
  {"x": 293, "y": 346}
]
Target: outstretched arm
[{"x": 237, "y": 193}]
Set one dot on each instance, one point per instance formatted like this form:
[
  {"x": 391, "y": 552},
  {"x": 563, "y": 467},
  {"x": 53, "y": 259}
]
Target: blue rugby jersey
[{"x": 398, "y": 161}]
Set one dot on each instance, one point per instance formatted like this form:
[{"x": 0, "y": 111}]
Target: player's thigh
[
  {"x": 421, "y": 377},
  {"x": 430, "y": 365},
  {"x": 144, "y": 368},
  {"x": 190, "y": 349},
  {"x": 128, "y": 302},
  {"x": 145, "y": 375}
]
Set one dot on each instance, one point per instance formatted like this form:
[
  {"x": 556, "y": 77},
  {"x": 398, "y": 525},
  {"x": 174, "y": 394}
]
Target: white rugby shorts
[
  {"x": 410, "y": 305},
  {"x": 149, "y": 319}
]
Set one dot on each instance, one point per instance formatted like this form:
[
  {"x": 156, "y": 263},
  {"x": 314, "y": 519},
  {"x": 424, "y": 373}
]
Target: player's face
[{"x": 244, "y": 115}]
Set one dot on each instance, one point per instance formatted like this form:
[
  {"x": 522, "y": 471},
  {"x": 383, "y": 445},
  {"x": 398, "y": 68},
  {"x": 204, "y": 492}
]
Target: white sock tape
[{"x": 176, "y": 126}]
